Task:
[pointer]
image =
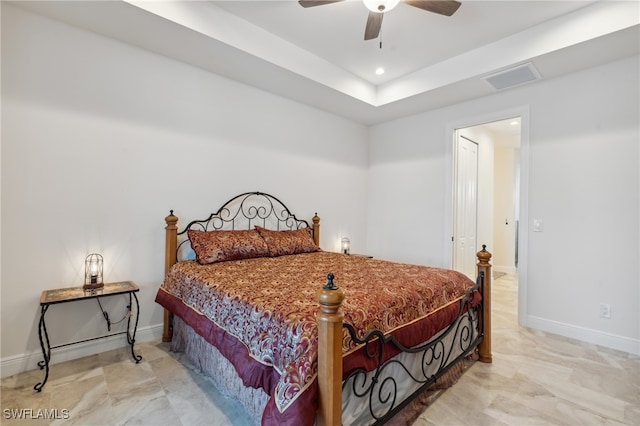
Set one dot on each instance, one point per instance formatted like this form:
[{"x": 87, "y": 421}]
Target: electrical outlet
[{"x": 605, "y": 310}]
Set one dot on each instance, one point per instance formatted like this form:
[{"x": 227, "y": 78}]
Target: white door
[{"x": 465, "y": 206}]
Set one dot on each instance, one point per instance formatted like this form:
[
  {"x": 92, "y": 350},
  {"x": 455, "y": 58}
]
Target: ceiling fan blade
[
  {"x": 441, "y": 7},
  {"x": 374, "y": 23},
  {"x": 310, "y": 3}
]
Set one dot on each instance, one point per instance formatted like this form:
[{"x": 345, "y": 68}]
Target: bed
[{"x": 300, "y": 335}]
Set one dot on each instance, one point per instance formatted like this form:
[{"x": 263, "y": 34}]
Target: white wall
[
  {"x": 406, "y": 192},
  {"x": 583, "y": 183},
  {"x": 100, "y": 139}
]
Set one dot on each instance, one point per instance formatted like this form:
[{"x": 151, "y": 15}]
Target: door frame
[{"x": 523, "y": 235}]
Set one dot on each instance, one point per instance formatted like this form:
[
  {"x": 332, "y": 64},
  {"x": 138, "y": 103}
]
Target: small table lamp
[
  {"x": 93, "y": 272},
  {"x": 345, "y": 245}
]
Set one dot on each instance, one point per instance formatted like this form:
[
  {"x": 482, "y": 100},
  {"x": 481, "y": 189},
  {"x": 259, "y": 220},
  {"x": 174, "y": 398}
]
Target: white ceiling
[
  {"x": 412, "y": 39},
  {"x": 318, "y": 56}
]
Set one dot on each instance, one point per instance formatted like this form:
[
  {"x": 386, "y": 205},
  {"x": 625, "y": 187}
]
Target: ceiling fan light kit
[{"x": 380, "y": 5}]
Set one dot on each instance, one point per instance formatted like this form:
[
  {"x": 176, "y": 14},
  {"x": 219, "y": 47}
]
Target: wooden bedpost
[
  {"x": 316, "y": 229},
  {"x": 330, "y": 355},
  {"x": 484, "y": 349},
  {"x": 171, "y": 241}
]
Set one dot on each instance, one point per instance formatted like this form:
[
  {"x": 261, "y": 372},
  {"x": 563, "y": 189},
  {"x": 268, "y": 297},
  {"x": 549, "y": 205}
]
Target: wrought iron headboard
[{"x": 243, "y": 211}]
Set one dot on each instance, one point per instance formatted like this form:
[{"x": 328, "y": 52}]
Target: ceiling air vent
[{"x": 512, "y": 77}]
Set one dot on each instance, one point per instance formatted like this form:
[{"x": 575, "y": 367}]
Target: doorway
[
  {"x": 492, "y": 216},
  {"x": 485, "y": 216}
]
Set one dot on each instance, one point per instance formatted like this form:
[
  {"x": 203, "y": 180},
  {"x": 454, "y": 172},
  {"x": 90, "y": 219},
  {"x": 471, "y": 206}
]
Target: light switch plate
[{"x": 537, "y": 225}]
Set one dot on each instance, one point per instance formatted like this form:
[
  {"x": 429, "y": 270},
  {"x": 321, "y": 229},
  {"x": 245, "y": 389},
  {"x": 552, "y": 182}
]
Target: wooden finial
[
  {"x": 483, "y": 255},
  {"x": 171, "y": 220},
  {"x": 330, "y": 296}
]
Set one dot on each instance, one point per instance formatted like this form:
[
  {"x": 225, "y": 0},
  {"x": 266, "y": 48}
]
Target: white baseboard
[
  {"x": 621, "y": 343},
  {"x": 24, "y": 362}
]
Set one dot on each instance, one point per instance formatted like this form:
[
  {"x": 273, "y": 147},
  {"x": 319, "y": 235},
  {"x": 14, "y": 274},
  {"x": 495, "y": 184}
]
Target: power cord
[{"x": 106, "y": 315}]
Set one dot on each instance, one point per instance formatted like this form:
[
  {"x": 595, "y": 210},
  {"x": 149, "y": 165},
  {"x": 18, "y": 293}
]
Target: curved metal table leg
[
  {"x": 46, "y": 351},
  {"x": 131, "y": 337}
]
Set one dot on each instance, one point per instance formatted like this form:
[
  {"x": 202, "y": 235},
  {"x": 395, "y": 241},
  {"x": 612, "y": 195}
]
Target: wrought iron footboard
[{"x": 436, "y": 357}]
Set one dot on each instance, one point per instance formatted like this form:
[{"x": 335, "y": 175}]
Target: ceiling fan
[{"x": 377, "y": 8}]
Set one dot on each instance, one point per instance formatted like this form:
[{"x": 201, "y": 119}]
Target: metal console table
[{"x": 72, "y": 294}]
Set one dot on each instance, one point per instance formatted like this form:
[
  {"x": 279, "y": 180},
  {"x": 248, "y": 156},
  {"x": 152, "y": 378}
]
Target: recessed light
[
  {"x": 514, "y": 123},
  {"x": 379, "y": 71}
]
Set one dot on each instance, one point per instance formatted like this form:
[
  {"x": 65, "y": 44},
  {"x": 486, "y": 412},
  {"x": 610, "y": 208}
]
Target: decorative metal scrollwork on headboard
[{"x": 245, "y": 211}]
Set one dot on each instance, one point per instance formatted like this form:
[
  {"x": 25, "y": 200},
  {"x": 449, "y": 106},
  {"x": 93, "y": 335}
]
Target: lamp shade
[
  {"x": 380, "y": 5},
  {"x": 93, "y": 265},
  {"x": 345, "y": 245}
]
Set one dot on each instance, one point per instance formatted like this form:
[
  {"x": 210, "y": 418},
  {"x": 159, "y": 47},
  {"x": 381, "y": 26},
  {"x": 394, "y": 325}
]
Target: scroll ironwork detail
[
  {"x": 381, "y": 388},
  {"x": 245, "y": 211}
]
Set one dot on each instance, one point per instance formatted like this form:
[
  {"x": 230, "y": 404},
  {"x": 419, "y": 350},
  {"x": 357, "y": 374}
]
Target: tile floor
[
  {"x": 538, "y": 378},
  {"x": 535, "y": 379}
]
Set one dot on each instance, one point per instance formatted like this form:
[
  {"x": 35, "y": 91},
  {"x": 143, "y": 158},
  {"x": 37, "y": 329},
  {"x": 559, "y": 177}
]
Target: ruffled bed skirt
[{"x": 212, "y": 364}]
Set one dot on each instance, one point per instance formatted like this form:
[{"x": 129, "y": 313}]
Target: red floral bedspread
[{"x": 270, "y": 305}]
